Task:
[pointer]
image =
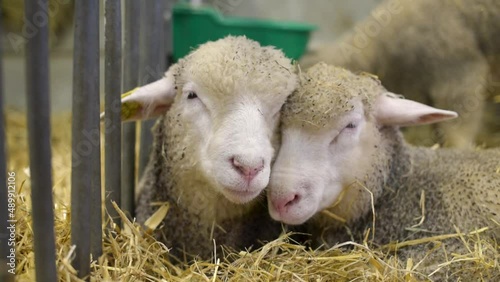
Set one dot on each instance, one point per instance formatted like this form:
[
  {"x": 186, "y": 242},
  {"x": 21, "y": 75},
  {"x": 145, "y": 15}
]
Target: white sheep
[
  {"x": 444, "y": 53},
  {"x": 342, "y": 150},
  {"x": 213, "y": 147}
]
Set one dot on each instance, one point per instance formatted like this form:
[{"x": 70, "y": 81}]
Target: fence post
[
  {"x": 37, "y": 76},
  {"x": 86, "y": 212},
  {"x": 130, "y": 80},
  {"x": 4, "y": 213},
  {"x": 152, "y": 64},
  {"x": 113, "y": 90}
]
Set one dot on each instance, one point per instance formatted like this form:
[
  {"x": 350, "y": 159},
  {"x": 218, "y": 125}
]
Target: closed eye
[
  {"x": 347, "y": 129},
  {"x": 351, "y": 125},
  {"x": 192, "y": 95}
]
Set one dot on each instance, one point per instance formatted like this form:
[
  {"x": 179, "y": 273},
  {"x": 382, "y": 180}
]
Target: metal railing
[{"x": 142, "y": 63}]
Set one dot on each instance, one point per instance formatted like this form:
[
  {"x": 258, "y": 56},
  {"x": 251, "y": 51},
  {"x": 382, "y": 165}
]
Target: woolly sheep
[
  {"x": 213, "y": 147},
  {"x": 444, "y": 53},
  {"x": 342, "y": 150}
]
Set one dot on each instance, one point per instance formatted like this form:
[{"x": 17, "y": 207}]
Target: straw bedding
[{"x": 131, "y": 254}]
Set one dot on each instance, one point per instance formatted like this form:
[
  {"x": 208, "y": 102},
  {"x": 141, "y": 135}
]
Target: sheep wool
[
  {"x": 460, "y": 187},
  {"x": 444, "y": 53},
  {"x": 231, "y": 72}
]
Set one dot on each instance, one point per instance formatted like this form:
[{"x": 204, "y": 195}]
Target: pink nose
[
  {"x": 282, "y": 204},
  {"x": 247, "y": 171}
]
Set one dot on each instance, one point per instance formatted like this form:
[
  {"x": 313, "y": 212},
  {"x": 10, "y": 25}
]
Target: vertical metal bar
[
  {"x": 4, "y": 212},
  {"x": 130, "y": 80},
  {"x": 113, "y": 90},
  {"x": 86, "y": 214},
  {"x": 153, "y": 64},
  {"x": 37, "y": 75},
  {"x": 168, "y": 32}
]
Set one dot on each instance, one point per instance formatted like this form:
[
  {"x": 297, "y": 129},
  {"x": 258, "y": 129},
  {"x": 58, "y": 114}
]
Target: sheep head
[
  {"x": 331, "y": 140},
  {"x": 226, "y": 95}
]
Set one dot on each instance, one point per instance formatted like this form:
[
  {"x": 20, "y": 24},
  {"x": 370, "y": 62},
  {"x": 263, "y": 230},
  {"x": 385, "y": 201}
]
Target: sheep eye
[
  {"x": 351, "y": 125},
  {"x": 192, "y": 95}
]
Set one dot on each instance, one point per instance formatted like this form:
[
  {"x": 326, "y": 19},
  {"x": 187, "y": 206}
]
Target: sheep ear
[
  {"x": 148, "y": 101},
  {"x": 389, "y": 109}
]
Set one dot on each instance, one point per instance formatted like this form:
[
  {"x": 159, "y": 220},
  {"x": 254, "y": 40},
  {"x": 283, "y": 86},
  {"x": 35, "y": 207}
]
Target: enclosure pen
[
  {"x": 152, "y": 64},
  {"x": 37, "y": 76},
  {"x": 112, "y": 124},
  {"x": 4, "y": 234},
  {"x": 86, "y": 222},
  {"x": 130, "y": 79}
]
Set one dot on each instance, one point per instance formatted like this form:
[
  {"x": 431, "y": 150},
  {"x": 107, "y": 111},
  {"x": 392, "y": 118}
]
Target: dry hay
[{"x": 132, "y": 255}]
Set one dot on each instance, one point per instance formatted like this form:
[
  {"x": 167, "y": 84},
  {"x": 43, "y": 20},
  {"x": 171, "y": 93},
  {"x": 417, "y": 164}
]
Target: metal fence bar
[
  {"x": 113, "y": 90},
  {"x": 37, "y": 75},
  {"x": 130, "y": 80},
  {"x": 153, "y": 64},
  {"x": 86, "y": 214},
  {"x": 4, "y": 213},
  {"x": 168, "y": 33}
]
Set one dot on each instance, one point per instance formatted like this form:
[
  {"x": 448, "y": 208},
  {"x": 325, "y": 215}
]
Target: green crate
[{"x": 193, "y": 26}]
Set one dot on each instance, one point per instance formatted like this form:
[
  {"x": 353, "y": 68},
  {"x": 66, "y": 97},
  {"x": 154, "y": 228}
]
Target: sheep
[
  {"x": 218, "y": 110},
  {"x": 342, "y": 151},
  {"x": 444, "y": 53}
]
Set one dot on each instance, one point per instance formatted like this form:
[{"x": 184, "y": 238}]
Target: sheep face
[
  {"x": 330, "y": 142},
  {"x": 223, "y": 103},
  {"x": 230, "y": 138},
  {"x": 315, "y": 164}
]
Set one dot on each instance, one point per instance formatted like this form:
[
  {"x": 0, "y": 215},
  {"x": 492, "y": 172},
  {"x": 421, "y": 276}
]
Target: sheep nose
[
  {"x": 283, "y": 203},
  {"x": 247, "y": 170}
]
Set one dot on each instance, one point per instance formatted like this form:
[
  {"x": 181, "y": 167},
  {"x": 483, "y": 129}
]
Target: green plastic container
[{"x": 193, "y": 26}]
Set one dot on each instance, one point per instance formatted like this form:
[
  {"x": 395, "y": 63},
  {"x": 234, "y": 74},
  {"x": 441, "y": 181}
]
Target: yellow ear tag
[
  {"x": 129, "y": 109},
  {"x": 128, "y": 92}
]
